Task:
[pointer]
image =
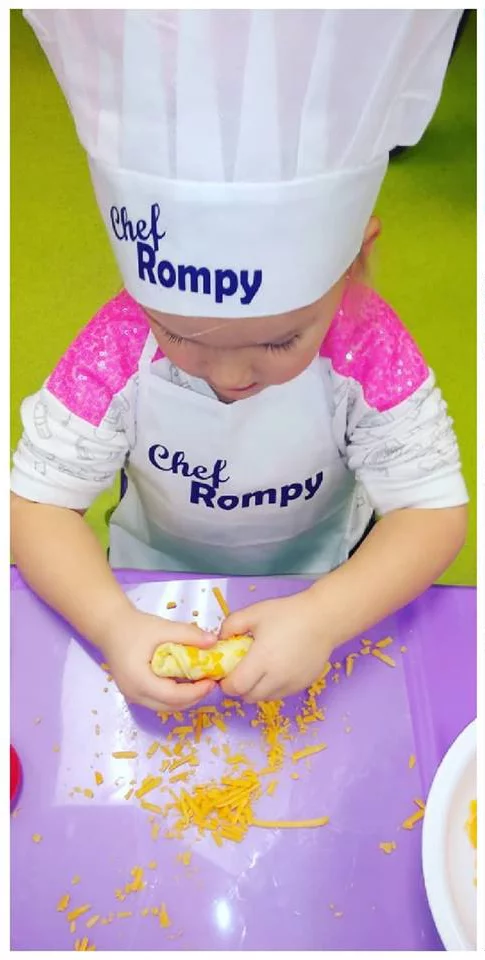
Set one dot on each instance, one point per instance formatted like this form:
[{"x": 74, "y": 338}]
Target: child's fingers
[
  {"x": 240, "y": 622},
  {"x": 177, "y": 696},
  {"x": 265, "y": 689},
  {"x": 191, "y": 635},
  {"x": 244, "y": 678},
  {"x": 152, "y": 705}
]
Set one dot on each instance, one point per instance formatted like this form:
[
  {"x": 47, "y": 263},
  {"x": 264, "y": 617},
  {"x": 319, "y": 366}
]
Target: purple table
[{"x": 324, "y": 889}]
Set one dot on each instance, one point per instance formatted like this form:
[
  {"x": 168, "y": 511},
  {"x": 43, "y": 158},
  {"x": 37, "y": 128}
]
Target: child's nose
[{"x": 229, "y": 370}]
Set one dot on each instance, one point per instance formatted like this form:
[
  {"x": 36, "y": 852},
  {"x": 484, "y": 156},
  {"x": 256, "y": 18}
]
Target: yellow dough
[{"x": 179, "y": 662}]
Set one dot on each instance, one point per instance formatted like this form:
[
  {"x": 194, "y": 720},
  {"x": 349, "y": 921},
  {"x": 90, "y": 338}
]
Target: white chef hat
[{"x": 237, "y": 155}]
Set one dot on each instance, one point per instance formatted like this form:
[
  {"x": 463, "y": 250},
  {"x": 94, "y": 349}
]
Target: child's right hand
[{"x": 128, "y": 648}]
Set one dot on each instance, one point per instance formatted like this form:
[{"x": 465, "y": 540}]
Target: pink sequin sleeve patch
[
  {"x": 369, "y": 343},
  {"x": 101, "y": 360}
]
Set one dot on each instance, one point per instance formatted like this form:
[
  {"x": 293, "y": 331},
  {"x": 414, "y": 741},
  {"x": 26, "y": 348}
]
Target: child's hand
[
  {"x": 129, "y": 648},
  {"x": 291, "y": 647}
]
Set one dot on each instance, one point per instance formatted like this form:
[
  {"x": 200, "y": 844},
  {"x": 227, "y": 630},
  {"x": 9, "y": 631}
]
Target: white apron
[{"x": 251, "y": 488}]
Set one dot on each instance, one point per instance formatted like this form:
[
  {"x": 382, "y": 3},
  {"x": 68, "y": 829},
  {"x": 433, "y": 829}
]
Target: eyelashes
[
  {"x": 287, "y": 345},
  {"x": 273, "y": 347}
]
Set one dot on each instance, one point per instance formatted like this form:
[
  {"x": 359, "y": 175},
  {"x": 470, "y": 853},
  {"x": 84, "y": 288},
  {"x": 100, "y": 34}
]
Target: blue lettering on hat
[
  {"x": 124, "y": 229},
  {"x": 221, "y": 283},
  {"x": 194, "y": 274},
  {"x": 166, "y": 274}
]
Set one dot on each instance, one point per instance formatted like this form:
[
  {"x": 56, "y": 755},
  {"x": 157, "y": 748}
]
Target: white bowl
[{"x": 449, "y": 860}]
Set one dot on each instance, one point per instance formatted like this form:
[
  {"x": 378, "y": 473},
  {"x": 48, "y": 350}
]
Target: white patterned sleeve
[
  {"x": 407, "y": 456},
  {"x": 390, "y": 418},
  {"x": 64, "y": 460},
  {"x": 80, "y": 427}
]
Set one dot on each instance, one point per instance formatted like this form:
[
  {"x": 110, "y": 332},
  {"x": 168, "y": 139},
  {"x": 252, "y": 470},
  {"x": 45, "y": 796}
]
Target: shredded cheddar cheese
[
  {"x": 224, "y": 809},
  {"x": 185, "y": 857},
  {"x": 310, "y": 712},
  {"x": 411, "y": 821},
  {"x": 124, "y": 755},
  {"x": 415, "y": 817},
  {"x": 387, "y": 846},
  {"x": 153, "y": 807},
  {"x": 155, "y": 831},
  {"x": 78, "y": 912},
  {"x": 221, "y": 601},
  {"x": 64, "y": 902},
  {"x": 147, "y": 785},
  {"x": 84, "y": 944},
  {"x": 386, "y": 642},
  {"x": 163, "y": 917},
  {"x": 291, "y": 824},
  {"x": 98, "y": 778},
  {"x": 308, "y": 751},
  {"x": 182, "y": 731},
  {"x": 412, "y": 761},
  {"x": 383, "y": 657},
  {"x": 180, "y": 777},
  {"x": 349, "y": 663},
  {"x": 471, "y": 824},
  {"x": 276, "y": 730},
  {"x": 37, "y": 837},
  {"x": 92, "y": 921},
  {"x": 138, "y": 883}
]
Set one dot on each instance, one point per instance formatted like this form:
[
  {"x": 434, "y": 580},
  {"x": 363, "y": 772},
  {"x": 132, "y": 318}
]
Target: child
[{"x": 261, "y": 403}]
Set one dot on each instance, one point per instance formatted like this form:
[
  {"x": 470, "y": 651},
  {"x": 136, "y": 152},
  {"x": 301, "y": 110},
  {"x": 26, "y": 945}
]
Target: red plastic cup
[{"x": 15, "y": 774}]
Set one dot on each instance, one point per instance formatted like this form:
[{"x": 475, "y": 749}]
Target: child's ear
[{"x": 372, "y": 232}]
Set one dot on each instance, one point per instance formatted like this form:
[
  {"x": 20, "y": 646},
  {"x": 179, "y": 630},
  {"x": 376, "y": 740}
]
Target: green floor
[{"x": 62, "y": 267}]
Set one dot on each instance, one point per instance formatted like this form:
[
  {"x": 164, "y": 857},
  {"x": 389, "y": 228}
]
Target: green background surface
[{"x": 62, "y": 268}]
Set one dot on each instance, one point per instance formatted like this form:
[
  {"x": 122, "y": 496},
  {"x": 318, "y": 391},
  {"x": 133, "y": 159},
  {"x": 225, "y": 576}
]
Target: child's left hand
[{"x": 291, "y": 646}]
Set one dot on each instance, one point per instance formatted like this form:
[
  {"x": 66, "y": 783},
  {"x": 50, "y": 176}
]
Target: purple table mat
[{"x": 324, "y": 889}]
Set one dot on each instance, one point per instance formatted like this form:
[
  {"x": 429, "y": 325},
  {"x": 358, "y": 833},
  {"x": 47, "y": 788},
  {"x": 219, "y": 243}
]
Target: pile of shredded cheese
[
  {"x": 276, "y": 731},
  {"x": 222, "y": 808}
]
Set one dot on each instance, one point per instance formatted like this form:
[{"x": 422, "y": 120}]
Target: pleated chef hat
[{"x": 237, "y": 155}]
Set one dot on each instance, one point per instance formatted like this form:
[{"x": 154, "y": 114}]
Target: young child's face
[{"x": 239, "y": 358}]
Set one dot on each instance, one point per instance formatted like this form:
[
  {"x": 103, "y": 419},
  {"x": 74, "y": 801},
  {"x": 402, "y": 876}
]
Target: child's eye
[
  {"x": 286, "y": 345},
  {"x": 172, "y": 338}
]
